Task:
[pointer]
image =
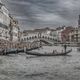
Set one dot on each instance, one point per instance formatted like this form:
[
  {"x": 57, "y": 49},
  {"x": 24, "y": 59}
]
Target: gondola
[
  {"x": 49, "y": 54},
  {"x": 16, "y": 51}
]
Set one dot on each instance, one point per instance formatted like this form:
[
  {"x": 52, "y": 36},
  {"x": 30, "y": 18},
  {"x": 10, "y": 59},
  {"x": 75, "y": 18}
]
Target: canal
[{"x": 26, "y": 67}]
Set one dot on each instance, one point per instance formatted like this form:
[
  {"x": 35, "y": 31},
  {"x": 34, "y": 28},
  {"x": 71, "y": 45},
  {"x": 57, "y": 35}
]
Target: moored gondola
[{"x": 16, "y": 51}]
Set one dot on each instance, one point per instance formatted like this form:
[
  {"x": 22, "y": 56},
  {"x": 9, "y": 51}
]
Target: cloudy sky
[{"x": 44, "y": 13}]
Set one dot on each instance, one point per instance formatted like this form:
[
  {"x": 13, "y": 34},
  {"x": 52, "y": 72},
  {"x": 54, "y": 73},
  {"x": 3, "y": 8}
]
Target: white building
[
  {"x": 4, "y": 22},
  {"x": 29, "y": 35},
  {"x": 56, "y": 33},
  {"x": 14, "y": 30},
  {"x": 59, "y": 34}
]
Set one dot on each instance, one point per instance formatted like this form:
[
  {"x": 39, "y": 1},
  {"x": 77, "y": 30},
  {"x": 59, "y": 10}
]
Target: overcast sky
[{"x": 44, "y": 13}]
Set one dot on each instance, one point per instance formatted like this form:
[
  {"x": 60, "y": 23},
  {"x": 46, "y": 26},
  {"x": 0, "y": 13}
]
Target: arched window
[
  {"x": 35, "y": 36},
  {"x": 30, "y": 38},
  {"x": 45, "y": 37},
  {"x": 27, "y": 38},
  {"x": 24, "y": 39},
  {"x": 42, "y": 36}
]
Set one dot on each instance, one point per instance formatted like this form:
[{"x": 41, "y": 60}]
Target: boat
[
  {"x": 48, "y": 54},
  {"x": 16, "y": 51},
  {"x": 10, "y": 51}
]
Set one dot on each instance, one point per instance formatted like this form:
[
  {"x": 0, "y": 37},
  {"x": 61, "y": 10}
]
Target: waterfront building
[
  {"x": 9, "y": 29},
  {"x": 4, "y": 22},
  {"x": 75, "y": 35},
  {"x": 66, "y": 34},
  {"x": 36, "y": 34},
  {"x": 56, "y": 33},
  {"x": 28, "y": 35},
  {"x": 14, "y": 29},
  {"x": 59, "y": 33}
]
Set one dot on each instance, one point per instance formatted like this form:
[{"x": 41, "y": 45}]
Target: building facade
[
  {"x": 75, "y": 35},
  {"x": 14, "y": 30},
  {"x": 4, "y": 22},
  {"x": 56, "y": 33},
  {"x": 29, "y": 35},
  {"x": 66, "y": 34}
]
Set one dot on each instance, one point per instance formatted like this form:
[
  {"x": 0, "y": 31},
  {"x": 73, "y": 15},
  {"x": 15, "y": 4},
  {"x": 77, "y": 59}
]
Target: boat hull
[{"x": 48, "y": 54}]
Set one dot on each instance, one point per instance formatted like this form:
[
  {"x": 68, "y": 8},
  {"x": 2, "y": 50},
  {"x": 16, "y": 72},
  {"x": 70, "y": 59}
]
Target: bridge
[
  {"x": 34, "y": 42},
  {"x": 31, "y": 42}
]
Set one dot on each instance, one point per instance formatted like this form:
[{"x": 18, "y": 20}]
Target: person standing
[{"x": 65, "y": 47}]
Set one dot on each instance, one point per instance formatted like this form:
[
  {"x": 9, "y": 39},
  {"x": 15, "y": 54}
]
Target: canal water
[{"x": 26, "y": 67}]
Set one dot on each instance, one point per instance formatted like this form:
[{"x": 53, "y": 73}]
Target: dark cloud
[{"x": 44, "y": 13}]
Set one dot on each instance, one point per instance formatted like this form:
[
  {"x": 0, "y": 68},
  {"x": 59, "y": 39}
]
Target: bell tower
[{"x": 79, "y": 22}]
